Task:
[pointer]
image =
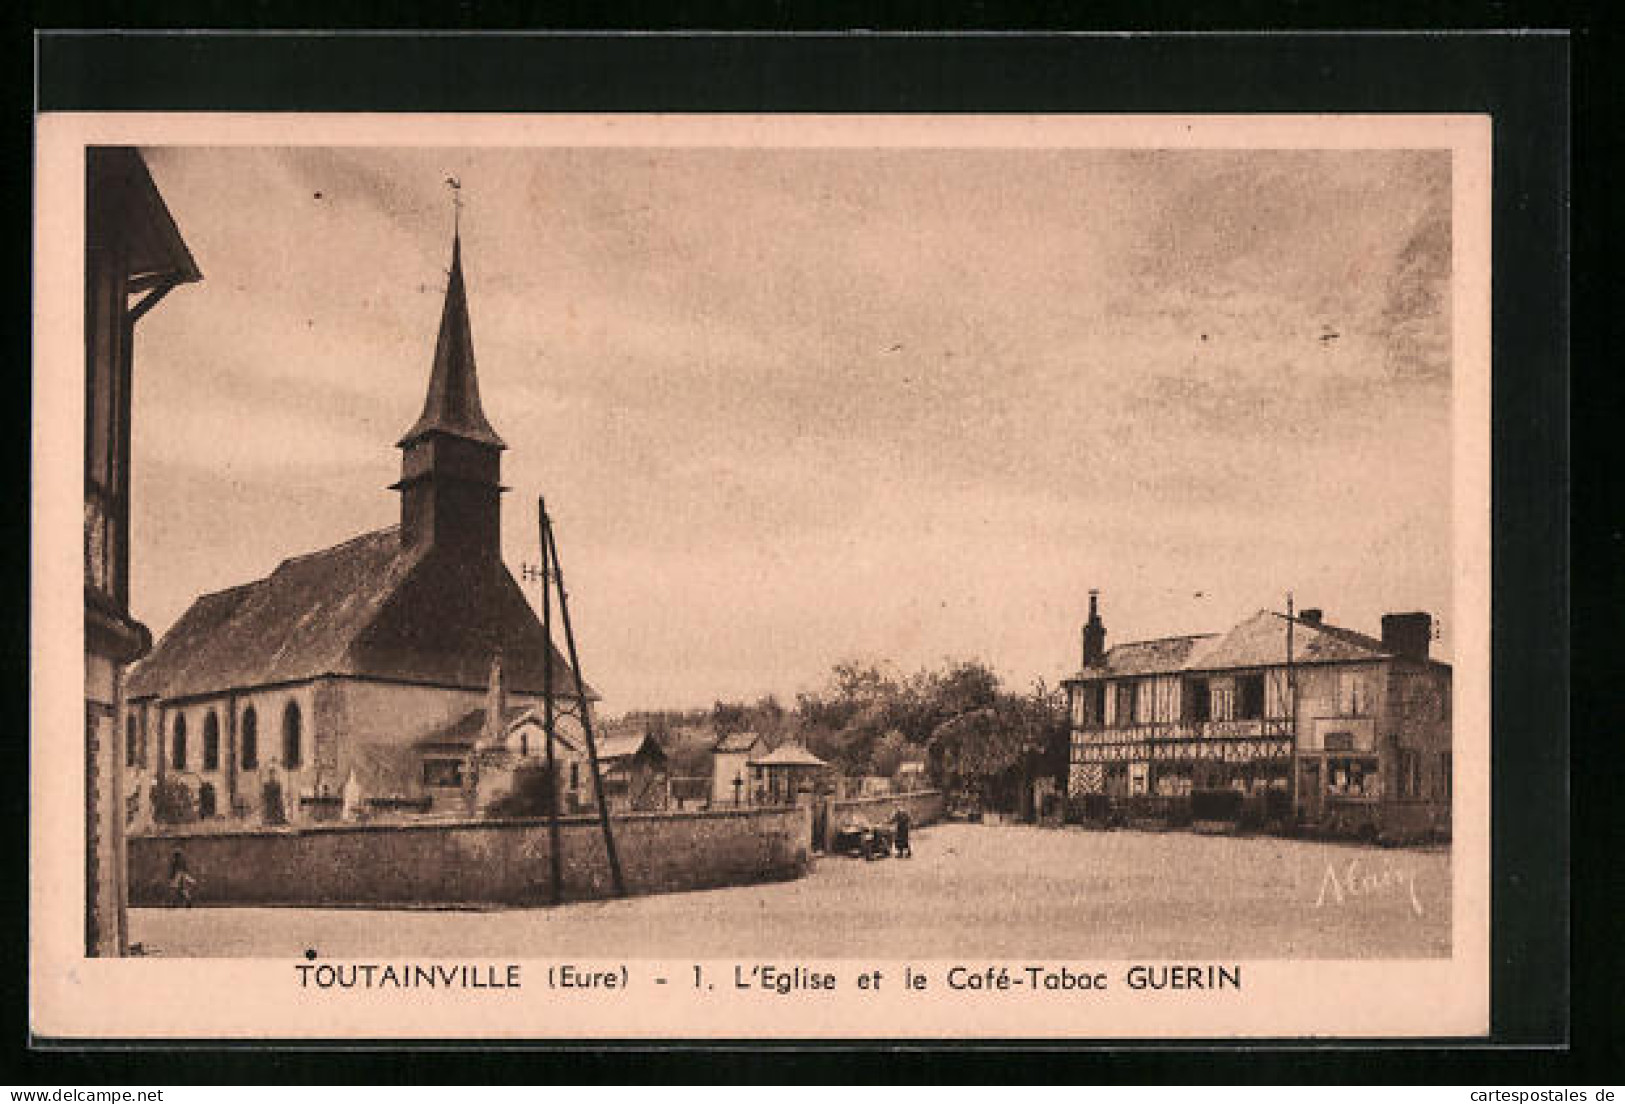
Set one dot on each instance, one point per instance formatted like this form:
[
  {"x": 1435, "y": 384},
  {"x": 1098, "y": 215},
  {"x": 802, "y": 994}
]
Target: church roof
[
  {"x": 294, "y": 624},
  {"x": 369, "y": 607},
  {"x": 453, "y": 403}
]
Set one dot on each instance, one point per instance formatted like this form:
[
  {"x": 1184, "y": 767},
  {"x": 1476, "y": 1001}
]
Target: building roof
[
  {"x": 369, "y": 607},
  {"x": 1259, "y": 641},
  {"x": 467, "y": 730},
  {"x": 788, "y": 755},
  {"x": 294, "y": 624},
  {"x": 737, "y": 742},
  {"x": 453, "y": 403},
  {"x": 125, "y": 204},
  {"x": 1143, "y": 657},
  {"x": 625, "y": 747}
]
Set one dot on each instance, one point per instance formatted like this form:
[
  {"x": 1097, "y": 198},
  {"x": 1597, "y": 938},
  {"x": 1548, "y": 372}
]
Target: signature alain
[{"x": 1354, "y": 880}]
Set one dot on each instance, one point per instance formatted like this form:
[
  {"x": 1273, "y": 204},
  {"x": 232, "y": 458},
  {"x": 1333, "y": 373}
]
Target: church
[{"x": 331, "y": 683}]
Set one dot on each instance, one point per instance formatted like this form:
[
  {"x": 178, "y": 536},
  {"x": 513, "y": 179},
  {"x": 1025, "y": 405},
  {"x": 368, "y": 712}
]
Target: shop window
[
  {"x": 1410, "y": 773},
  {"x": 292, "y": 745},
  {"x": 1353, "y": 777},
  {"x": 177, "y": 746},
  {"x": 211, "y": 742},
  {"x": 251, "y": 739}
]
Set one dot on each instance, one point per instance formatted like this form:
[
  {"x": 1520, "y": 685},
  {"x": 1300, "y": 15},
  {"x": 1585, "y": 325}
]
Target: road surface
[{"x": 970, "y": 890}]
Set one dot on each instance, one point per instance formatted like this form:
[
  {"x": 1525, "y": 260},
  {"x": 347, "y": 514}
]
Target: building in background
[
  {"x": 134, "y": 256},
  {"x": 352, "y": 676},
  {"x": 1347, "y": 730},
  {"x": 730, "y": 768}
]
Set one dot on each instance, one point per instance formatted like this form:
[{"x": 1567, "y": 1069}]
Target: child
[{"x": 181, "y": 882}]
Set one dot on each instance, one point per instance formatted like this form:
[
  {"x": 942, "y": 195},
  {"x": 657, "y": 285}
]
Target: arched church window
[
  {"x": 211, "y": 742},
  {"x": 251, "y": 739},
  {"x": 290, "y": 737},
  {"x": 177, "y": 747}
]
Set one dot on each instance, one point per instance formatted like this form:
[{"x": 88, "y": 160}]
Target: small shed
[
  {"x": 635, "y": 773},
  {"x": 784, "y": 772}
]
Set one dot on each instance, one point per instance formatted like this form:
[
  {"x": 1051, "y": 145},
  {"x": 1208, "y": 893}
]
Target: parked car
[{"x": 866, "y": 841}]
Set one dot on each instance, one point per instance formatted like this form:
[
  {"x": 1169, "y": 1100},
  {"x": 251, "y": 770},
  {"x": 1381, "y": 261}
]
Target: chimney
[
  {"x": 1310, "y": 616},
  {"x": 496, "y": 700},
  {"x": 1407, "y": 634},
  {"x": 1094, "y": 634}
]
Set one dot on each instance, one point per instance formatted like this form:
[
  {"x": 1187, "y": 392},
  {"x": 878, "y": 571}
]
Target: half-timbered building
[{"x": 1340, "y": 724}]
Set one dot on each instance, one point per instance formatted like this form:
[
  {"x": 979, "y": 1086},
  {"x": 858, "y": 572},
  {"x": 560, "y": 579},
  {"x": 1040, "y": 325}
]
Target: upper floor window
[
  {"x": 1250, "y": 697},
  {"x": 1353, "y": 694},
  {"x": 1198, "y": 702},
  {"x": 129, "y": 740},
  {"x": 251, "y": 739},
  {"x": 1125, "y": 702},
  {"x": 1089, "y": 707},
  {"x": 292, "y": 745},
  {"x": 211, "y": 742}
]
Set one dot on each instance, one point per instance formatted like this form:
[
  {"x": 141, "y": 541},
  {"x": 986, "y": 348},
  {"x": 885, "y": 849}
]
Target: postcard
[{"x": 761, "y": 577}]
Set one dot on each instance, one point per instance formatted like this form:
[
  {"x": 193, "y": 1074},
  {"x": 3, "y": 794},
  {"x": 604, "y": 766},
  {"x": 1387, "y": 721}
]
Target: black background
[{"x": 1521, "y": 80}]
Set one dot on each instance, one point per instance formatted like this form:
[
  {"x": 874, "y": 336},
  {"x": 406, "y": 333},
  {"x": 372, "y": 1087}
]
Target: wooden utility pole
[
  {"x": 1292, "y": 711},
  {"x": 554, "y": 858},
  {"x": 551, "y": 555}
]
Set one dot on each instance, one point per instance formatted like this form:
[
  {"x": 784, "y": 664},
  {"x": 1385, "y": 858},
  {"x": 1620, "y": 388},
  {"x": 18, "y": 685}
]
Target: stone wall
[
  {"x": 924, "y": 807},
  {"x": 473, "y": 862}
]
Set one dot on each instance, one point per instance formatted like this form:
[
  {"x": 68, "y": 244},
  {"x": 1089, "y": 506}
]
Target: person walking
[
  {"x": 181, "y": 882},
  {"x": 900, "y": 835}
]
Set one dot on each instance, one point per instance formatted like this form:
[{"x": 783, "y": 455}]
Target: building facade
[
  {"x": 335, "y": 674},
  {"x": 1346, "y": 730},
  {"x": 134, "y": 256}
]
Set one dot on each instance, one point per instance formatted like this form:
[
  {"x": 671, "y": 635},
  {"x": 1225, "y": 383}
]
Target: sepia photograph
[{"x": 983, "y": 546}]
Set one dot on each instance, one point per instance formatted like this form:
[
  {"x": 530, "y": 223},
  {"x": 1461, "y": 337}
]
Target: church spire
[
  {"x": 451, "y": 458},
  {"x": 453, "y": 403}
]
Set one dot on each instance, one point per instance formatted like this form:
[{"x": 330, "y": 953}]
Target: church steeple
[
  {"x": 453, "y": 403},
  {"x": 451, "y": 457}
]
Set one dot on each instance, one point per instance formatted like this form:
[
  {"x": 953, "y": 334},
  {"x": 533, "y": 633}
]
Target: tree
[
  {"x": 172, "y": 802},
  {"x": 888, "y": 754},
  {"x": 993, "y": 752}
]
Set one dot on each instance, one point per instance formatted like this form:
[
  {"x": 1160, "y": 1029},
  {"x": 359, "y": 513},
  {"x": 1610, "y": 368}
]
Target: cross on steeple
[{"x": 456, "y": 187}]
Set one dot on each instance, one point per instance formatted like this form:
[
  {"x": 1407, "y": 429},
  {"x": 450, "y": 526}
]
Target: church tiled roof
[
  {"x": 295, "y": 623},
  {"x": 368, "y": 607}
]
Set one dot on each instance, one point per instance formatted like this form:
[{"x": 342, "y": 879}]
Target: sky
[{"x": 791, "y": 407}]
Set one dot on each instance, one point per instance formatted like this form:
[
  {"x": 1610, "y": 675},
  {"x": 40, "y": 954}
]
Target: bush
[
  {"x": 172, "y": 802},
  {"x": 531, "y": 796}
]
